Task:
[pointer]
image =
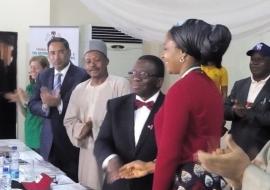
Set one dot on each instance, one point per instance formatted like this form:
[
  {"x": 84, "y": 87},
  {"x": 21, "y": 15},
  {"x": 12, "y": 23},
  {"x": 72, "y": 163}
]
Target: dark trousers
[
  {"x": 7, "y": 119},
  {"x": 66, "y": 162}
]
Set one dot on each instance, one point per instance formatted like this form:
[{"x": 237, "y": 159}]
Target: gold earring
[{"x": 181, "y": 60}]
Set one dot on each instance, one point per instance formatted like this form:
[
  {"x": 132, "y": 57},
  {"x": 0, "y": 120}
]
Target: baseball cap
[
  {"x": 97, "y": 45},
  {"x": 260, "y": 48}
]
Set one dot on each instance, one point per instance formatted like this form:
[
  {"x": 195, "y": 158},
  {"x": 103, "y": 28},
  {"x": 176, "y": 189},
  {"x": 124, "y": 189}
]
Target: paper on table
[
  {"x": 42, "y": 166},
  {"x": 30, "y": 155},
  {"x": 61, "y": 180},
  {"x": 14, "y": 142},
  {"x": 34, "y": 167},
  {"x": 4, "y": 150},
  {"x": 68, "y": 187}
]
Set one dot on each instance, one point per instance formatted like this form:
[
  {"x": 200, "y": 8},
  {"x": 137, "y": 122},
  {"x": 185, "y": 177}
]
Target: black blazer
[
  {"x": 252, "y": 132},
  {"x": 116, "y": 136},
  {"x": 74, "y": 76}
]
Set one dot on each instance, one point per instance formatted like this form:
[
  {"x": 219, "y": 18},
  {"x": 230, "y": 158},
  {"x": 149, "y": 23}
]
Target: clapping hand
[
  {"x": 49, "y": 98},
  {"x": 23, "y": 98},
  {"x": 230, "y": 163},
  {"x": 112, "y": 169},
  {"x": 239, "y": 109},
  {"x": 12, "y": 96},
  {"x": 135, "y": 169},
  {"x": 86, "y": 130},
  {"x": 18, "y": 96}
]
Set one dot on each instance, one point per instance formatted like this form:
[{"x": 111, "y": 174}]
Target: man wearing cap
[
  {"x": 50, "y": 99},
  {"x": 248, "y": 106},
  {"x": 87, "y": 108}
]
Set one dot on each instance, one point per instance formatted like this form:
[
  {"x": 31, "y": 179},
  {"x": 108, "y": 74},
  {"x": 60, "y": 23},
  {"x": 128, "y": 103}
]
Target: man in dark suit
[
  {"x": 2, "y": 99},
  {"x": 248, "y": 106},
  {"x": 127, "y": 132},
  {"x": 50, "y": 100}
]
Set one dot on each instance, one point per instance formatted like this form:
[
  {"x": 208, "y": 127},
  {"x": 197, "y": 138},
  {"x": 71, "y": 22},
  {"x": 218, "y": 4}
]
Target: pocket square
[
  {"x": 264, "y": 101},
  {"x": 150, "y": 126}
]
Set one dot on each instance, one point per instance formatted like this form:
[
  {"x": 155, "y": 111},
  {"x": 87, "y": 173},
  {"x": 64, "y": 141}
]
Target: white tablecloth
[{"x": 35, "y": 165}]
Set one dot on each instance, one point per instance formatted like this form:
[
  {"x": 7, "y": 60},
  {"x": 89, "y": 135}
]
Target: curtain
[{"x": 150, "y": 19}]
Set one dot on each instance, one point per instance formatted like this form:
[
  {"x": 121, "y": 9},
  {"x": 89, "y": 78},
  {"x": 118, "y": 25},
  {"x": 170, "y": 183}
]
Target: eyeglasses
[{"x": 140, "y": 74}]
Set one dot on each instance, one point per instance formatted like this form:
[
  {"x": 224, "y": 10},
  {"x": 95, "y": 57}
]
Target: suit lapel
[
  {"x": 51, "y": 79},
  {"x": 263, "y": 93},
  {"x": 129, "y": 116},
  {"x": 67, "y": 80},
  {"x": 244, "y": 92},
  {"x": 149, "y": 124}
]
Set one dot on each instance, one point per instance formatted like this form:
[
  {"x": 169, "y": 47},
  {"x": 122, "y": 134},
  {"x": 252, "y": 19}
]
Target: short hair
[
  {"x": 58, "y": 39},
  {"x": 157, "y": 62},
  {"x": 205, "y": 42},
  {"x": 42, "y": 60}
]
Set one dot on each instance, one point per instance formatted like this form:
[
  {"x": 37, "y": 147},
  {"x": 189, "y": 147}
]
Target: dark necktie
[{"x": 139, "y": 104}]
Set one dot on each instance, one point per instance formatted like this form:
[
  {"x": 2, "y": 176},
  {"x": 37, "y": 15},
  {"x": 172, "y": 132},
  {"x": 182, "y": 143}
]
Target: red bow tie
[{"x": 139, "y": 104}]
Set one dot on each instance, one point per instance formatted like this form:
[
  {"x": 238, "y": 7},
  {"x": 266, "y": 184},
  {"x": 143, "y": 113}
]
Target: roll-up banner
[{"x": 40, "y": 35}]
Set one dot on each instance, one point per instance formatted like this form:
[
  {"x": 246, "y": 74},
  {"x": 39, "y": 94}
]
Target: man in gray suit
[
  {"x": 248, "y": 106},
  {"x": 50, "y": 99}
]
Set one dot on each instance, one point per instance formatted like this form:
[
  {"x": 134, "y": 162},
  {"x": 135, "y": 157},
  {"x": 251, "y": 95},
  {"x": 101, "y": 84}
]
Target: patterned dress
[{"x": 191, "y": 176}]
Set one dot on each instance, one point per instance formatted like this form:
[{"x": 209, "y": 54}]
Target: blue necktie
[{"x": 57, "y": 82}]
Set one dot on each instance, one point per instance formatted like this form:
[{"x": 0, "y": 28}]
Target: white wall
[
  {"x": 16, "y": 16},
  {"x": 122, "y": 60}
]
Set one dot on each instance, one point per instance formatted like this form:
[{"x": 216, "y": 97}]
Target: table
[{"x": 35, "y": 165}]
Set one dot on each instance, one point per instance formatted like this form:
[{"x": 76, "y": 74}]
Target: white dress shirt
[
  {"x": 255, "y": 88},
  {"x": 140, "y": 117},
  {"x": 63, "y": 73}
]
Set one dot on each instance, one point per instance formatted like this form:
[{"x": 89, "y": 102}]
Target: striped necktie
[{"x": 57, "y": 82}]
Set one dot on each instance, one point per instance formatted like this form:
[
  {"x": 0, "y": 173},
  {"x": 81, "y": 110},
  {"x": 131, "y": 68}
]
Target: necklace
[{"x": 189, "y": 70}]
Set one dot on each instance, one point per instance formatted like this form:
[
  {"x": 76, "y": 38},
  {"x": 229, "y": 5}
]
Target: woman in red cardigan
[{"x": 192, "y": 114}]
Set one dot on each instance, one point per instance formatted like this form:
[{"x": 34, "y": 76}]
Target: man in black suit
[
  {"x": 2, "y": 99},
  {"x": 50, "y": 100},
  {"x": 127, "y": 132},
  {"x": 248, "y": 106}
]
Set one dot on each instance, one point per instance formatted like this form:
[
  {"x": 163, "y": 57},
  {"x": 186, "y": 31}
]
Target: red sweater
[{"x": 189, "y": 120}]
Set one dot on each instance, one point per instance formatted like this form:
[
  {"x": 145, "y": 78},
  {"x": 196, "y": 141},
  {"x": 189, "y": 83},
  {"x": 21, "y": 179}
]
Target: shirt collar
[
  {"x": 152, "y": 98},
  {"x": 63, "y": 71},
  {"x": 261, "y": 81}
]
